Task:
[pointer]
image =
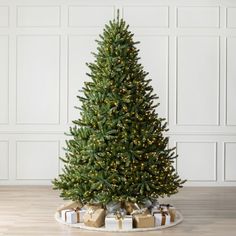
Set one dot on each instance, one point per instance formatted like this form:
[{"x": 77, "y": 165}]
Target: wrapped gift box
[
  {"x": 94, "y": 218},
  {"x": 64, "y": 214},
  {"x": 80, "y": 215},
  {"x": 69, "y": 216},
  {"x": 143, "y": 221},
  {"x": 72, "y": 217},
  {"x": 172, "y": 212},
  {"x": 117, "y": 223},
  {"x": 169, "y": 209},
  {"x": 162, "y": 219}
]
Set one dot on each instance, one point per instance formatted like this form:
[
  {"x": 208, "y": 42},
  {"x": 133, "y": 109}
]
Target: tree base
[{"x": 178, "y": 219}]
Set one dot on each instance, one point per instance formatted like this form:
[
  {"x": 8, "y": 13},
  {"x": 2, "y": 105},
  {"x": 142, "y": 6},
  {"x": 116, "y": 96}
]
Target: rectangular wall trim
[
  {"x": 4, "y": 81},
  {"x": 32, "y": 107},
  {"x": 4, "y": 159},
  {"x": 37, "y": 159},
  {"x": 198, "y": 17},
  {"x": 4, "y": 16},
  {"x": 156, "y": 16},
  {"x": 80, "y": 16},
  {"x": 197, "y": 161},
  {"x": 230, "y": 111},
  {"x": 38, "y": 16},
  {"x": 229, "y": 161},
  {"x": 231, "y": 17},
  {"x": 188, "y": 48},
  {"x": 197, "y": 80}
]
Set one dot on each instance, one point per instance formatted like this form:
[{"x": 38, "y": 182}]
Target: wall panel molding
[
  {"x": 38, "y": 16},
  {"x": 4, "y": 79},
  {"x": 4, "y": 16},
  {"x": 80, "y": 15},
  {"x": 77, "y": 54},
  {"x": 198, "y": 17},
  {"x": 231, "y": 17},
  {"x": 196, "y": 86},
  {"x": 230, "y": 111},
  {"x": 155, "y": 59},
  {"x": 229, "y": 161},
  {"x": 4, "y": 159},
  {"x": 155, "y": 16},
  {"x": 37, "y": 159},
  {"x": 188, "y": 47},
  {"x": 35, "y": 85},
  {"x": 193, "y": 165}
]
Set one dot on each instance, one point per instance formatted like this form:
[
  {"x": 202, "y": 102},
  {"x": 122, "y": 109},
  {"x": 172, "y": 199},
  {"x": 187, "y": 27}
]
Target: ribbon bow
[
  {"x": 139, "y": 210},
  {"x": 90, "y": 211},
  {"x": 120, "y": 215}
]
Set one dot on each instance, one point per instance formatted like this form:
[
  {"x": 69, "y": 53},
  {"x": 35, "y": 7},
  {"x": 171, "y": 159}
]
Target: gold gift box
[
  {"x": 94, "y": 218},
  {"x": 143, "y": 221}
]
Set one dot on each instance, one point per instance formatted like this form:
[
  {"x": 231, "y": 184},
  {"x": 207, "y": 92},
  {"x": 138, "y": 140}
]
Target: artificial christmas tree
[{"x": 117, "y": 151}]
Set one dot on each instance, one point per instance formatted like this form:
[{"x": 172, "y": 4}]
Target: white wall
[{"x": 189, "y": 48}]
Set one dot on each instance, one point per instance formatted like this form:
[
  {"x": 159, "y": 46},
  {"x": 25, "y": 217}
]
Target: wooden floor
[{"x": 30, "y": 211}]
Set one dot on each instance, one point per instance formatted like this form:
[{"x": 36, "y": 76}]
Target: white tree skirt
[{"x": 178, "y": 219}]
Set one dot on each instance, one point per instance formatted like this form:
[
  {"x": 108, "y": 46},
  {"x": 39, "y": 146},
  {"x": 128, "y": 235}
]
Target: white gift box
[
  {"x": 111, "y": 222},
  {"x": 72, "y": 216},
  {"x": 80, "y": 215},
  {"x": 161, "y": 219},
  {"x": 167, "y": 221},
  {"x": 63, "y": 214}
]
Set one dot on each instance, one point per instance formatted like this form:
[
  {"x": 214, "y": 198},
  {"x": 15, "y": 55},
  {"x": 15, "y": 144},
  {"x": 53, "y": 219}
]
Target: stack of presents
[{"x": 115, "y": 216}]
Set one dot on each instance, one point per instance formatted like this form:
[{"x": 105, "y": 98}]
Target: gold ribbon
[
  {"x": 172, "y": 212},
  {"x": 163, "y": 219},
  {"x": 119, "y": 218}
]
